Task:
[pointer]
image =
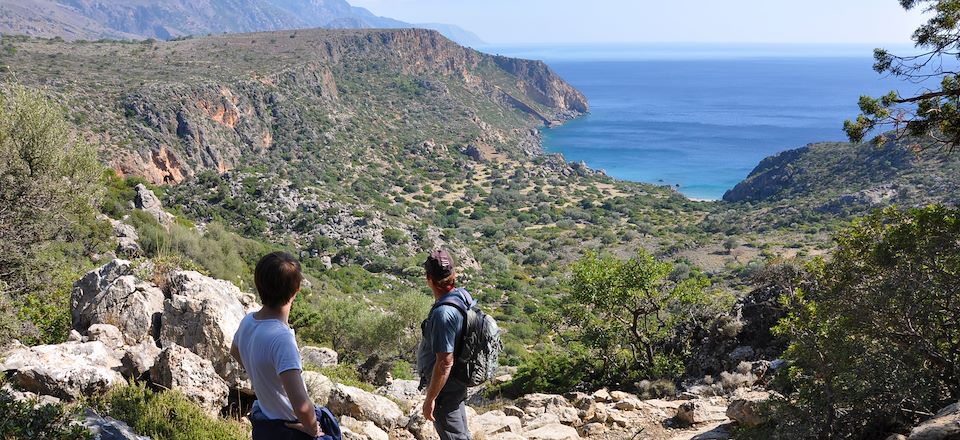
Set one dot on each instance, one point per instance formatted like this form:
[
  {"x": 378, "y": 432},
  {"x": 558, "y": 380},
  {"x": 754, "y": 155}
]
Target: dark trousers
[{"x": 450, "y": 414}]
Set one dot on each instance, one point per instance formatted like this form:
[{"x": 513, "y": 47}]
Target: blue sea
[{"x": 701, "y": 117}]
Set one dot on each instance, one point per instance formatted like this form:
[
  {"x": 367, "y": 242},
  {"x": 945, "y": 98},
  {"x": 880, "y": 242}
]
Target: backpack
[{"x": 477, "y": 355}]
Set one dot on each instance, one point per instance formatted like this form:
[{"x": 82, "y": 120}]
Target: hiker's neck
[
  {"x": 439, "y": 292},
  {"x": 281, "y": 313}
]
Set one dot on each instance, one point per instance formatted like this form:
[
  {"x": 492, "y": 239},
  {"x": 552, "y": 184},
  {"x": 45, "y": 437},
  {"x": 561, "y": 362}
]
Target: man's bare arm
[
  {"x": 441, "y": 373},
  {"x": 292, "y": 381},
  {"x": 235, "y": 353}
]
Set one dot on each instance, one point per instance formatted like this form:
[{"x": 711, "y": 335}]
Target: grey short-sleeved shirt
[{"x": 441, "y": 332}]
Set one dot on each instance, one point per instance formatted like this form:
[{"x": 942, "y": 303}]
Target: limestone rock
[
  {"x": 618, "y": 396},
  {"x": 112, "y": 295},
  {"x": 594, "y": 429},
  {"x": 138, "y": 359},
  {"x": 541, "y": 421},
  {"x": 745, "y": 408},
  {"x": 700, "y": 411},
  {"x": 320, "y": 357},
  {"x": 602, "y": 395},
  {"x": 110, "y": 335},
  {"x": 943, "y": 426},
  {"x": 180, "y": 369},
  {"x": 146, "y": 200},
  {"x": 402, "y": 391},
  {"x": 511, "y": 410},
  {"x": 127, "y": 239},
  {"x": 495, "y": 422},
  {"x": 359, "y": 404},
  {"x": 553, "y": 432},
  {"x": 420, "y": 427},
  {"x": 67, "y": 371},
  {"x": 319, "y": 387},
  {"x": 365, "y": 429},
  {"x": 202, "y": 314},
  {"x": 535, "y": 404},
  {"x": 107, "y": 428}
]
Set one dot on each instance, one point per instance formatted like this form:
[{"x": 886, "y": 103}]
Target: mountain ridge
[{"x": 143, "y": 19}]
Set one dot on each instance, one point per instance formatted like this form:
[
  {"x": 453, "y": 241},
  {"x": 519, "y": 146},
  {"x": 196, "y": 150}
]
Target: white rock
[
  {"x": 535, "y": 404},
  {"x": 366, "y": 429},
  {"x": 553, "y": 432},
  {"x": 320, "y": 357},
  {"x": 495, "y": 422},
  {"x": 112, "y": 295},
  {"x": 745, "y": 408},
  {"x": 180, "y": 369},
  {"x": 108, "y": 334},
  {"x": 319, "y": 387},
  {"x": 138, "y": 359},
  {"x": 202, "y": 315},
  {"x": 699, "y": 411},
  {"x": 146, "y": 200},
  {"x": 359, "y": 404},
  {"x": 540, "y": 421},
  {"x": 68, "y": 371}
]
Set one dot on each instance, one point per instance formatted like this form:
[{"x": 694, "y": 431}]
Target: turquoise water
[{"x": 701, "y": 118}]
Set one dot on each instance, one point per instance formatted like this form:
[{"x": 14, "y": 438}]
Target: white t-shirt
[{"x": 268, "y": 347}]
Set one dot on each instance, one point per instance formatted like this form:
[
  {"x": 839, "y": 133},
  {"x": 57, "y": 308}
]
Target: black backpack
[{"x": 477, "y": 353}]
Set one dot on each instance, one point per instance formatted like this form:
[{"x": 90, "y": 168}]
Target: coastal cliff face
[{"x": 167, "y": 110}]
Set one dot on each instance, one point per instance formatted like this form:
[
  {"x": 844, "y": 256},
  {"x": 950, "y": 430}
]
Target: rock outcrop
[
  {"x": 202, "y": 314},
  {"x": 320, "y": 357},
  {"x": 147, "y": 201},
  {"x": 113, "y": 295},
  {"x": 67, "y": 371}
]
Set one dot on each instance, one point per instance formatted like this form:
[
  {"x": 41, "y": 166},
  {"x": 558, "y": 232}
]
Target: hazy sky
[{"x": 562, "y": 21}]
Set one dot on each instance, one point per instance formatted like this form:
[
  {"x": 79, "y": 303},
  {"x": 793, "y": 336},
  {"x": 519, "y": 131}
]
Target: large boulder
[
  {"x": 180, "y": 369},
  {"x": 943, "y": 426},
  {"x": 113, "y": 295},
  {"x": 68, "y": 371},
  {"x": 202, "y": 314},
  {"x": 420, "y": 427},
  {"x": 320, "y": 357},
  {"x": 745, "y": 408},
  {"x": 553, "y": 432},
  {"x": 362, "y": 405},
  {"x": 127, "y": 238}
]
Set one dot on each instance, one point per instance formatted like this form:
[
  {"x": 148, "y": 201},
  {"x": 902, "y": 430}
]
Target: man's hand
[
  {"x": 428, "y": 410},
  {"x": 315, "y": 432}
]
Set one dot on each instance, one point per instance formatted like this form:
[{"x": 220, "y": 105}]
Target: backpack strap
[{"x": 457, "y": 303}]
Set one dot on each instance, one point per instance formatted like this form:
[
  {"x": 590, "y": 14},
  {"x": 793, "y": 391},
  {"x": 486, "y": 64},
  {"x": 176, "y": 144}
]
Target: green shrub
[
  {"x": 27, "y": 420},
  {"x": 166, "y": 415},
  {"x": 873, "y": 342}
]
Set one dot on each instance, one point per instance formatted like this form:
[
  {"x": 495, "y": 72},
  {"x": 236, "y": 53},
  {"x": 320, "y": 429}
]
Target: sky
[{"x": 648, "y": 21}]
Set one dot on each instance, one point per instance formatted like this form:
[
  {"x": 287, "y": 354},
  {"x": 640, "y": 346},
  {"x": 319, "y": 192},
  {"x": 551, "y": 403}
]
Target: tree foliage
[
  {"x": 48, "y": 185},
  {"x": 627, "y": 312},
  {"x": 933, "y": 112},
  {"x": 875, "y": 343}
]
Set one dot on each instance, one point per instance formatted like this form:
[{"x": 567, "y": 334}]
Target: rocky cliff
[{"x": 167, "y": 110}]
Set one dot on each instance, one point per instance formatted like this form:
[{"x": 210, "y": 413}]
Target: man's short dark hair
[{"x": 278, "y": 278}]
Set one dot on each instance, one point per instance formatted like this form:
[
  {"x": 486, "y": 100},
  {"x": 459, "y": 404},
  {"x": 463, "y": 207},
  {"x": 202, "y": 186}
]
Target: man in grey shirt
[{"x": 442, "y": 334}]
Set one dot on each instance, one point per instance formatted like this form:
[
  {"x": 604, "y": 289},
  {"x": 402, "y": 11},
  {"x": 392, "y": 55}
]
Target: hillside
[
  {"x": 142, "y": 19},
  {"x": 838, "y": 180}
]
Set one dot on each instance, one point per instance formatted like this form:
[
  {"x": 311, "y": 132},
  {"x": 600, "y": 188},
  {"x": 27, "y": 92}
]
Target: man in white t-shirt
[{"x": 267, "y": 348}]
